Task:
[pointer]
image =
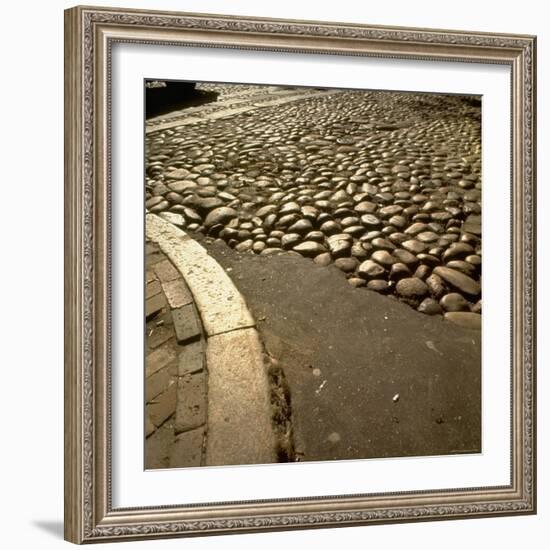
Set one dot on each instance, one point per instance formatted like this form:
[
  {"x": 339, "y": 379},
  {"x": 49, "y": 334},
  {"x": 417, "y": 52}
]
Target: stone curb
[
  {"x": 239, "y": 427},
  {"x": 239, "y": 410},
  {"x": 221, "y": 305}
]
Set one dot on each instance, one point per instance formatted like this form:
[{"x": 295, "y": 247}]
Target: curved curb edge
[{"x": 239, "y": 423}]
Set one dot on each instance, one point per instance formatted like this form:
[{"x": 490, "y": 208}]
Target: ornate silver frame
[{"x": 89, "y": 35}]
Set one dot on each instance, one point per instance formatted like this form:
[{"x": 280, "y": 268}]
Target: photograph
[{"x": 313, "y": 274}]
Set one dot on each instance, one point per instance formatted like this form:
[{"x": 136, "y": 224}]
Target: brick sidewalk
[{"x": 175, "y": 369}]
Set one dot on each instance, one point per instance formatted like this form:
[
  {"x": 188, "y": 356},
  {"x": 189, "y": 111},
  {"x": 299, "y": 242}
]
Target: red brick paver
[{"x": 175, "y": 370}]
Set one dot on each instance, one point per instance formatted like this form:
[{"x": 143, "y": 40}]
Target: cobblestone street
[
  {"x": 378, "y": 189},
  {"x": 384, "y": 185}
]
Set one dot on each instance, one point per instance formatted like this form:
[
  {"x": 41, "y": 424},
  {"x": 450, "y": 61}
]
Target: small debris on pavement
[{"x": 318, "y": 390}]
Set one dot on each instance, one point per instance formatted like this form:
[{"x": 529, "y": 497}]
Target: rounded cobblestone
[{"x": 353, "y": 177}]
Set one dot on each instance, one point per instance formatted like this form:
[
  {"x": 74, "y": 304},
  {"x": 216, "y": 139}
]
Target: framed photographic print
[{"x": 300, "y": 283}]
